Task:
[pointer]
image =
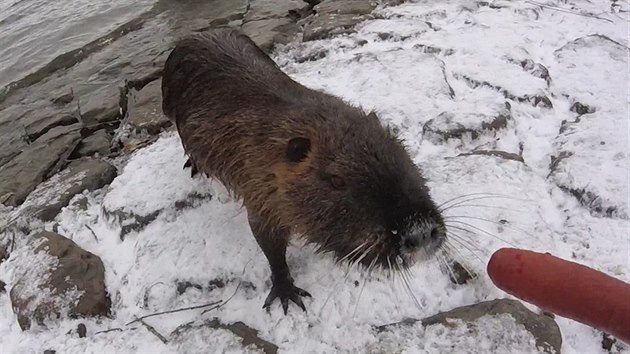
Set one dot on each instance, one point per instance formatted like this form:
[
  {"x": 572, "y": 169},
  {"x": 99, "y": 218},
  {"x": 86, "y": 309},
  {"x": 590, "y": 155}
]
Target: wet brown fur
[{"x": 236, "y": 111}]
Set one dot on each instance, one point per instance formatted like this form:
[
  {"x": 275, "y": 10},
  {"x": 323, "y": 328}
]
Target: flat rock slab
[
  {"x": 20, "y": 175},
  {"x": 335, "y": 17},
  {"x": 98, "y": 142},
  {"x": 448, "y": 125},
  {"x": 267, "y": 9},
  {"x": 102, "y": 105},
  {"x": 543, "y": 328},
  {"x": 266, "y": 33},
  {"x": 62, "y": 280},
  {"x": 145, "y": 109},
  {"x": 50, "y": 197},
  {"x": 586, "y": 147}
]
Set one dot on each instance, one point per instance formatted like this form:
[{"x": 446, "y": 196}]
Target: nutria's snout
[{"x": 426, "y": 237}]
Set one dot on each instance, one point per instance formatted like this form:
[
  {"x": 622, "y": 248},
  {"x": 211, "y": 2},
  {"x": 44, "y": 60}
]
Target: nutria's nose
[{"x": 421, "y": 236}]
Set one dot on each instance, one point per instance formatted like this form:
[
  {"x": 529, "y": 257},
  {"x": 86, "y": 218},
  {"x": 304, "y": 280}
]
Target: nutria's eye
[
  {"x": 297, "y": 149},
  {"x": 337, "y": 182}
]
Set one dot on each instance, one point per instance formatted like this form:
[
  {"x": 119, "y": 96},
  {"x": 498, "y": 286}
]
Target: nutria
[{"x": 302, "y": 162}]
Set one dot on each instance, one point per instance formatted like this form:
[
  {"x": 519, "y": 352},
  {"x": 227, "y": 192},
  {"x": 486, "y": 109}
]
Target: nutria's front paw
[{"x": 286, "y": 291}]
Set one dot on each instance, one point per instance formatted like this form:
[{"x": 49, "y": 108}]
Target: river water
[{"x": 33, "y": 32}]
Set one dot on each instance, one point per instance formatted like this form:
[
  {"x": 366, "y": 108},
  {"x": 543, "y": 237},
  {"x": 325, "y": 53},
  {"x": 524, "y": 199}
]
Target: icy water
[{"x": 33, "y": 32}]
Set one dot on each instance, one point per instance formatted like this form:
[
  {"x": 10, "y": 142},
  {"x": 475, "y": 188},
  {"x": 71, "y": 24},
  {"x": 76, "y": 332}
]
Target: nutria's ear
[{"x": 297, "y": 149}]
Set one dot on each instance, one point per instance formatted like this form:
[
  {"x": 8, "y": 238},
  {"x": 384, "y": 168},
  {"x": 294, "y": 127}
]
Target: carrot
[{"x": 564, "y": 288}]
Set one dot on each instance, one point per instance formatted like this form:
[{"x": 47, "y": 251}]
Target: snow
[{"x": 209, "y": 241}]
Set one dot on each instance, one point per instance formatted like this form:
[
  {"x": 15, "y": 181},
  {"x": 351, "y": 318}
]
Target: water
[{"x": 33, "y": 32}]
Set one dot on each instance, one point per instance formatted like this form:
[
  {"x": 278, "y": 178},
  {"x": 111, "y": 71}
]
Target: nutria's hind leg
[{"x": 273, "y": 242}]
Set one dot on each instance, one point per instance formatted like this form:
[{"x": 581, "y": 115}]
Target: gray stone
[
  {"x": 98, "y": 142},
  {"x": 47, "y": 200},
  {"x": 103, "y": 105},
  {"x": 249, "y": 336},
  {"x": 266, "y": 33},
  {"x": 38, "y": 122},
  {"x": 501, "y": 154},
  {"x": 321, "y": 26},
  {"x": 76, "y": 287},
  {"x": 336, "y": 17},
  {"x": 345, "y": 7},
  {"x": 62, "y": 99},
  {"x": 544, "y": 329},
  {"x": 37, "y": 161},
  {"x": 449, "y": 125},
  {"x": 267, "y": 9},
  {"x": 145, "y": 109}
]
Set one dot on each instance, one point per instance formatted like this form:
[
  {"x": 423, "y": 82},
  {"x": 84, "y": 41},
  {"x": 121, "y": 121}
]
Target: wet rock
[
  {"x": 502, "y": 154},
  {"x": 101, "y": 106},
  {"x": 536, "y": 69},
  {"x": 335, "y": 17},
  {"x": 75, "y": 287},
  {"x": 37, "y": 123},
  {"x": 142, "y": 78},
  {"x": 267, "y": 9},
  {"x": 266, "y": 33},
  {"x": 345, "y": 7},
  {"x": 63, "y": 98},
  {"x": 98, "y": 142},
  {"x": 544, "y": 329},
  {"x": 40, "y": 159},
  {"x": 449, "y": 125},
  {"x": 47, "y": 200},
  {"x": 50, "y": 351},
  {"x": 145, "y": 109},
  {"x": 2, "y": 286},
  {"x": 249, "y": 336}
]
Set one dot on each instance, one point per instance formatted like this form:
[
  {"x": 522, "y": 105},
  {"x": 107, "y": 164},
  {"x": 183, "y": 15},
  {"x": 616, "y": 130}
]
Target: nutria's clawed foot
[{"x": 286, "y": 291}]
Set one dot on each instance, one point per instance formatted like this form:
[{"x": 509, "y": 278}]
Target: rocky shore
[{"x": 73, "y": 126}]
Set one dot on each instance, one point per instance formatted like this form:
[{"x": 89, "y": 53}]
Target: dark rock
[
  {"x": 544, "y": 329},
  {"x": 63, "y": 99},
  {"x": 433, "y": 50},
  {"x": 581, "y": 108},
  {"x": 248, "y": 335},
  {"x": 145, "y": 109},
  {"x": 502, "y": 154},
  {"x": 536, "y": 69},
  {"x": 608, "y": 342},
  {"x": 182, "y": 286},
  {"x": 216, "y": 284},
  {"x": 459, "y": 274},
  {"x": 98, "y": 142},
  {"x": 77, "y": 270},
  {"x": 81, "y": 330},
  {"x": 50, "y": 351},
  {"x": 535, "y": 100},
  {"x": 4, "y": 252},
  {"x": 103, "y": 105},
  {"x": 47, "y": 200},
  {"x": 312, "y": 56},
  {"x": 20, "y": 175},
  {"x": 2, "y": 286},
  {"x": 192, "y": 200}
]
